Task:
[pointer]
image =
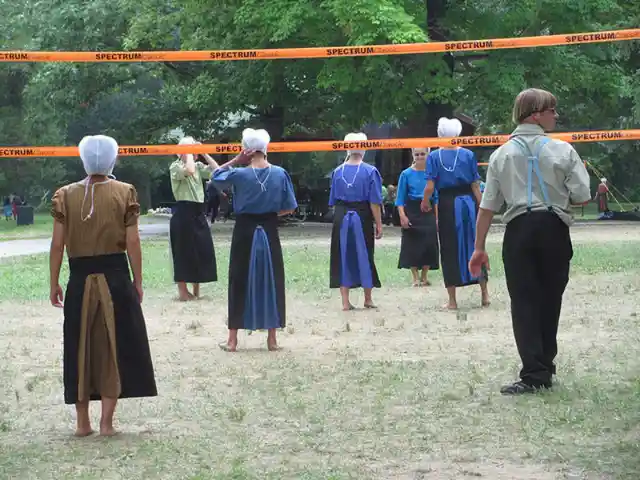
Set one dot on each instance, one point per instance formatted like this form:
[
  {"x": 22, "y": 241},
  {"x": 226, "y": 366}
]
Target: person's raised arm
[{"x": 189, "y": 164}]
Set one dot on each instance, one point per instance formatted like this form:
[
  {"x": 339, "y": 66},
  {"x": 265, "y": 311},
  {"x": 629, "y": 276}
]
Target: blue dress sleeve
[
  {"x": 375, "y": 187},
  {"x": 401, "y": 192},
  {"x": 289, "y": 201},
  {"x": 431, "y": 170},
  {"x": 223, "y": 178},
  {"x": 332, "y": 193},
  {"x": 475, "y": 176}
]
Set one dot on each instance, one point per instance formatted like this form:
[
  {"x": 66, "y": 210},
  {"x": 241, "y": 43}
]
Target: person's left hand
[
  {"x": 425, "y": 206},
  {"x": 378, "y": 231},
  {"x": 478, "y": 259},
  {"x": 56, "y": 296}
]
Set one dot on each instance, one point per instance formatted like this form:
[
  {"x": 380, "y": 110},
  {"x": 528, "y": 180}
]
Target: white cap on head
[
  {"x": 186, "y": 141},
  {"x": 603, "y": 179},
  {"x": 257, "y": 140},
  {"x": 98, "y": 154},
  {"x": 355, "y": 137},
  {"x": 449, "y": 127}
]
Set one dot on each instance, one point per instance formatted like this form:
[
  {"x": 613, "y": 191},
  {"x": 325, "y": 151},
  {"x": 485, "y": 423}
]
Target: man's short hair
[{"x": 530, "y": 101}]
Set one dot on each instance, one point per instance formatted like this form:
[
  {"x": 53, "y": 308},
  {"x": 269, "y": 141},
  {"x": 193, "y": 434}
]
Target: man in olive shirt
[{"x": 539, "y": 178}]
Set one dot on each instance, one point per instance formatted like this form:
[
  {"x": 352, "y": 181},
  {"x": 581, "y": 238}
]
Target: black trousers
[{"x": 536, "y": 252}]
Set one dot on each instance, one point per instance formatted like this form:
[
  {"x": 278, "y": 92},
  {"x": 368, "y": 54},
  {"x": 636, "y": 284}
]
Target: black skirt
[
  {"x": 103, "y": 319},
  {"x": 194, "y": 258},
  {"x": 256, "y": 274},
  {"x": 457, "y": 212},
  {"x": 351, "y": 261},
  {"x": 419, "y": 244}
]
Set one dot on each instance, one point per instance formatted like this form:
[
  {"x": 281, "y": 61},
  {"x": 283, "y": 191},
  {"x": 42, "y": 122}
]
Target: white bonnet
[
  {"x": 355, "y": 137},
  {"x": 98, "y": 154},
  {"x": 257, "y": 140},
  {"x": 449, "y": 127},
  {"x": 187, "y": 141},
  {"x": 603, "y": 179}
]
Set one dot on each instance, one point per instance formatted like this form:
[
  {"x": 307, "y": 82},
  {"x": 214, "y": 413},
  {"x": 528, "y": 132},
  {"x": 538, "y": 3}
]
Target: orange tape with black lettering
[
  {"x": 323, "y": 52},
  {"x": 323, "y": 146}
]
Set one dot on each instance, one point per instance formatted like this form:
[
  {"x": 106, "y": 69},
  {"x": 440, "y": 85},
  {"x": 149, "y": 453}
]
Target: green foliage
[{"x": 58, "y": 103}]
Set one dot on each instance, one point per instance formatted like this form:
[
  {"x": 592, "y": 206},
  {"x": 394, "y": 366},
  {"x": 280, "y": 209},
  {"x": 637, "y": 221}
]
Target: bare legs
[
  {"x": 452, "y": 304},
  {"x": 420, "y": 281},
  {"x": 346, "y": 303},
  {"x": 83, "y": 428},
  {"x": 232, "y": 341},
  {"x": 184, "y": 295},
  {"x": 106, "y": 420}
]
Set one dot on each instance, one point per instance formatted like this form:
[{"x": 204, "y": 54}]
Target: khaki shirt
[
  {"x": 561, "y": 168},
  {"x": 185, "y": 187}
]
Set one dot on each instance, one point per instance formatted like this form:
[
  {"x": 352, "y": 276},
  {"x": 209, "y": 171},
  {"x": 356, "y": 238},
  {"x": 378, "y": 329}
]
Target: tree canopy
[{"x": 57, "y": 103}]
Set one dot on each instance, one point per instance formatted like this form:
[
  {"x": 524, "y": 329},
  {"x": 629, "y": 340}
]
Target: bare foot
[
  {"x": 425, "y": 283},
  {"x": 83, "y": 432},
  {"x": 346, "y": 309},
  {"x": 486, "y": 302},
  {"x": 370, "y": 305},
  {"x": 416, "y": 284},
  {"x": 228, "y": 347},
  {"x": 450, "y": 306},
  {"x": 108, "y": 432},
  {"x": 273, "y": 346}
]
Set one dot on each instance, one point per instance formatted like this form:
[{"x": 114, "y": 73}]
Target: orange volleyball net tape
[
  {"x": 323, "y": 52},
  {"x": 323, "y": 146}
]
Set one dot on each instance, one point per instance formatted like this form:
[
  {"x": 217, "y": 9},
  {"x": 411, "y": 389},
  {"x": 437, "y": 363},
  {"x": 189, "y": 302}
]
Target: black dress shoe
[{"x": 520, "y": 388}]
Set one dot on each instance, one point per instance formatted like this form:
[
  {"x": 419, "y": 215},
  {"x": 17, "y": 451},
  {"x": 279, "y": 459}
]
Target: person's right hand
[
  {"x": 425, "y": 206},
  {"x": 404, "y": 222},
  {"x": 56, "y": 296},
  {"x": 244, "y": 157},
  {"x": 139, "y": 291}
]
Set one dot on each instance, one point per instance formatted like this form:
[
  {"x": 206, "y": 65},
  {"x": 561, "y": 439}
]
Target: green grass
[
  {"x": 407, "y": 392},
  {"x": 42, "y": 226},
  {"x": 26, "y": 278}
]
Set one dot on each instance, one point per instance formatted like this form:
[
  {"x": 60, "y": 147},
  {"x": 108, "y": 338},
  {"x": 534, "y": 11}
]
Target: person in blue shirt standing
[
  {"x": 453, "y": 172},
  {"x": 262, "y": 192},
  {"x": 356, "y": 195},
  {"x": 419, "y": 248}
]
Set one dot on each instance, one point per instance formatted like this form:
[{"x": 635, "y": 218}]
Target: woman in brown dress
[{"x": 106, "y": 349}]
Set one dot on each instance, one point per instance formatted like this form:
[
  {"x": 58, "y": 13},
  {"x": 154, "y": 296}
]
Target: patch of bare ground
[{"x": 408, "y": 391}]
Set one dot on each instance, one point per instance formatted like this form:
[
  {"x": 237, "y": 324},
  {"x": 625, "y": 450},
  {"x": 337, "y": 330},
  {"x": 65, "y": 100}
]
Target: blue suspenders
[{"x": 534, "y": 164}]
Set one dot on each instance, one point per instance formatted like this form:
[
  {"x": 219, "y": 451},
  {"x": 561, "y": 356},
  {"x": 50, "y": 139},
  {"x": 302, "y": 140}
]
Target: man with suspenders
[{"x": 539, "y": 178}]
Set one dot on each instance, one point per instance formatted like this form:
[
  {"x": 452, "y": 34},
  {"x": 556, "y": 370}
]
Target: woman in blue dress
[
  {"x": 453, "y": 172},
  {"x": 356, "y": 195},
  {"x": 419, "y": 247},
  {"x": 261, "y": 193}
]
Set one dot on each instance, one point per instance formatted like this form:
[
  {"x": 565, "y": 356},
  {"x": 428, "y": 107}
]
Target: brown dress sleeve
[
  {"x": 58, "y": 210},
  {"x": 132, "y": 210}
]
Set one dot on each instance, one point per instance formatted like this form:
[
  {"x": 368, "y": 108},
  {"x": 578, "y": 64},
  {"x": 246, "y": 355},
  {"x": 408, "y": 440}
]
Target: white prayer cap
[
  {"x": 355, "y": 137},
  {"x": 603, "y": 179},
  {"x": 257, "y": 140},
  {"x": 186, "y": 141},
  {"x": 98, "y": 154},
  {"x": 449, "y": 127}
]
